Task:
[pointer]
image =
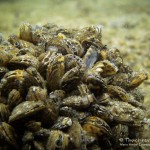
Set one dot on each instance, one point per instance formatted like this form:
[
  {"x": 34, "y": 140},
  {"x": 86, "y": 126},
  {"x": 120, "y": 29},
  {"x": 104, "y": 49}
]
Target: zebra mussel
[{"x": 64, "y": 89}]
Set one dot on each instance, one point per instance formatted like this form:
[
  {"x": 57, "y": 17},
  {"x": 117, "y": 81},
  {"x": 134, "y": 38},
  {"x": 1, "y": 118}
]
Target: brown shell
[
  {"x": 57, "y": 139},
  {"x": 36, "y": 93},
  {"x": 23, "y": 61},
  {"x": 96, "y": 126},
  {"x": 8, "y": 135},
  {"x": 4, "y": 112},
  {"x": 55, "y": 71},
  {"x": 26, "y": 109},
  {"x": 137, "y": 79}
]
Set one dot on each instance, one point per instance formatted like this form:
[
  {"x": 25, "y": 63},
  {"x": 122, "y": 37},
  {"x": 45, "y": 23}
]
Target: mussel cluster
[{"x": 62, "y": 89}]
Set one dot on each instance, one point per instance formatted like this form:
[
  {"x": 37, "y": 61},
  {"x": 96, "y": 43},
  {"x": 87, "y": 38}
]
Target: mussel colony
[{"x": 63, "y": 89}]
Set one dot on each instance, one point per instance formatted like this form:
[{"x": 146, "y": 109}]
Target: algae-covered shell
[
  {"x": 118, "y": 92},
  {"x": 57, "y": 140},
  {"x": 4, "y": 112},
  {"x": 125, "y": 113},
  {"x": 36, "y": 93},
  {"x": 96, "y": 126},
  {"x": 26, "y": 109},
  {"x": 55, "y": 71},
  {"x": 4, "y": 58},
  {"x": 109, "y": 68},
  {"x": 23, "y": 61},
  {"x": 26, "y": 32},
  {"x": 3, "y": 71},
  {"x": 77, "y": 136},
  {"x": 78, "y": 102},
  {"x": 13, "y": 80},
  {"x": 62, "y": 123},
  {"x": 8, "y": 135},
  {"x": 137, "y": 79},
  {"x": 33, "y": 126}
]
